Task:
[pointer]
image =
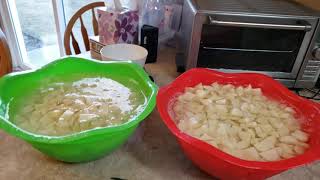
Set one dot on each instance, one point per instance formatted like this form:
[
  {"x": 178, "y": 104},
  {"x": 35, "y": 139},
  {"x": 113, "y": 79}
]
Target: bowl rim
[
  {"x": 281, "y": 165},
  {"x": 144, "y": 50},
  {"x": 13, "y": 129}
]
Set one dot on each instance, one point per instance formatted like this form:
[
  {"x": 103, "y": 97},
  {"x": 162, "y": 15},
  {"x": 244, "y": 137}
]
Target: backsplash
[{"x": 314, "y": 4}]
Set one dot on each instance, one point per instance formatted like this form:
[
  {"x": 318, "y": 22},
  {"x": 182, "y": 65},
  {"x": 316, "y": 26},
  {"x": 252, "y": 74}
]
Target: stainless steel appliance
[{"x": 274, "y": 37}]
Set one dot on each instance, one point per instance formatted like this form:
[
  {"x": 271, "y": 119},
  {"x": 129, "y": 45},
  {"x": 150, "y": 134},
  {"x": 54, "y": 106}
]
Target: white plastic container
[{"x": 124, "y": 52}]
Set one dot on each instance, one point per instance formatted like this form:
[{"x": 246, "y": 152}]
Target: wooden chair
[
  {"x": 5, "y": 56},
  {"x": 68, "y": 32}
]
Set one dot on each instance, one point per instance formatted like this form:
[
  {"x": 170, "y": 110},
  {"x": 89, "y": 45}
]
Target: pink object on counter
[{"x": 118, "y": 26}]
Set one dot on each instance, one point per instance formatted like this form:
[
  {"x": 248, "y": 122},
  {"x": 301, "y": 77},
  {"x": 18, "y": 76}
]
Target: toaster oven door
[{"x": 275, "y": 47}]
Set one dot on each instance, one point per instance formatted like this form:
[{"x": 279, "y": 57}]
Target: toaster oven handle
[{"x": 260, "y": 25}]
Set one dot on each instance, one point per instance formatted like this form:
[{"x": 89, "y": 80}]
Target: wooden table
[{"x": 151, "y": 154}]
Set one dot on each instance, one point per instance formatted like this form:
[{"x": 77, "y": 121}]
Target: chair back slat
[
  {"x": 84, "y": 35},
  {"x": 69, "y": 33},
  {"x": 94, "y": 23},
  {"x": 5, "y": 56},
  {"x": 75, "y": 44}
]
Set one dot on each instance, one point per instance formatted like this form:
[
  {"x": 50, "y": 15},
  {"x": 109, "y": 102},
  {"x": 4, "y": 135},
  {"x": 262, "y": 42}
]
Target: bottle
[
  {"x": 130, "y": 4},
  {"x": 113, "y": 5},
  {"x": 153, "y": 13}
]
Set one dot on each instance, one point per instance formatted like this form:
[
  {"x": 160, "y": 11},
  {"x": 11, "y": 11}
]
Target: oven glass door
[{"x": 251, "y": 47}]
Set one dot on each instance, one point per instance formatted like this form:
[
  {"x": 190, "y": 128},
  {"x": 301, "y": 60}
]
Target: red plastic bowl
[{"x": 222, "y": 165}]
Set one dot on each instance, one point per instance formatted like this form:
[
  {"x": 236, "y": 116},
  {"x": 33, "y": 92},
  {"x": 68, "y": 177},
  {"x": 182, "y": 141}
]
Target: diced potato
[
  {"x": 79, "y": 104},
  {"x": 199, "y": 131},
  {"x": 55, "y": 110},
  {"x": 286, "y": 148},
  {"x": 275, "y": 123},
  {"x": 292, "y": 124},
  {"x": 34, "y": 124},
  {"x": 207, "y": 88},
  {"x": 299, "y": 149},
  {"x": 252, "y": 124},
  {"x": 201, "y": 93},
  {"x": 25, "y": 125},
  {"x": 287, "y": 156},
  {"x": 250, "y": 154},
  {"x": 284, "y": 115},
  {"x": 87, "y": 117},
  {"x": 213, "y": 143},
  {"x": 178, "y": 109},
  {"x": 236, "y": 112},
  {"x": 184, "y": 127},
  {"x": 244, "y": 136},
  {"x": 198, "y": 87},
  {"x": 190, "y": 90},
  {"x": 283, "y": 131},
  {"x": 288, "y": 140},
  {"x": 279, "y": 150},
  {"x": 54, "y": 114},
  {"x": 275, "y": 134},
  {"x": 85, "y": 125},
  {"x": 206, "y": 137},
  {"x": 260, "y": 133},
  {"x": 240, "y": 121},
  {"x": 98, "y": 123},
  {"x": 206, "y": 102},
  {"x": 228, "y": 144},
  {"x": 62, "y": 123},
  {"x": 240, "y": 90},
  {"x": 28, "y": 109},
  {"x": 289, "y": 109},
  {"x": 305, "y": 145},
  {"x": 67, "y": 102},
  {"x": 36, "y": 114},
  {"x": 196, "y": 107},
  {"x": 221, "y": 108},
  {"x": 243, "y": 144},
  {"x": 266, "y": 144},
  {"x": 267, "y": 128},
  {"x": 252, "y": 133},
  {"x": 194, "y": 122},
  {"x": 301, "y": 136},
  {"x": 221, "y": 101},
  {"x": 66, "y": 115},
  {"x": 223, "y": 129},
  {"x": 254, "y": 141},
  {"x": 270, "y": 155}
]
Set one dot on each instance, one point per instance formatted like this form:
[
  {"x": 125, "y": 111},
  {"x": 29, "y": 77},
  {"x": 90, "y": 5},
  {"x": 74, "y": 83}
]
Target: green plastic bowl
[{"x": 86, "y": 145}]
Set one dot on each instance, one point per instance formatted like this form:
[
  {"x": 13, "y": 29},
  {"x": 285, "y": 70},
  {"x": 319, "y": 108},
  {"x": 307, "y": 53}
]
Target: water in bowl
[{"x": 81, "y": 103}]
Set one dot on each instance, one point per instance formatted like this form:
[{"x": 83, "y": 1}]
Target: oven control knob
[{"x": 316, "y": 53}]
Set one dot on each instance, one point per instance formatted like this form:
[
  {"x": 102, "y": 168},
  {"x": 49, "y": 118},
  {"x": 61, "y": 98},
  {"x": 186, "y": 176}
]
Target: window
[
  {"x": 37, "y": 27},
  {"x": 39, "y": 31}
]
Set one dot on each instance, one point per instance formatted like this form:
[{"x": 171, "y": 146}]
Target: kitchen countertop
[{"x": 151, "y": 153}]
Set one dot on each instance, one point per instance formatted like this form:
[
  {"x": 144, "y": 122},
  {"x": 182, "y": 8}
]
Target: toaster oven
[{"x": 279, "y": 38}]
